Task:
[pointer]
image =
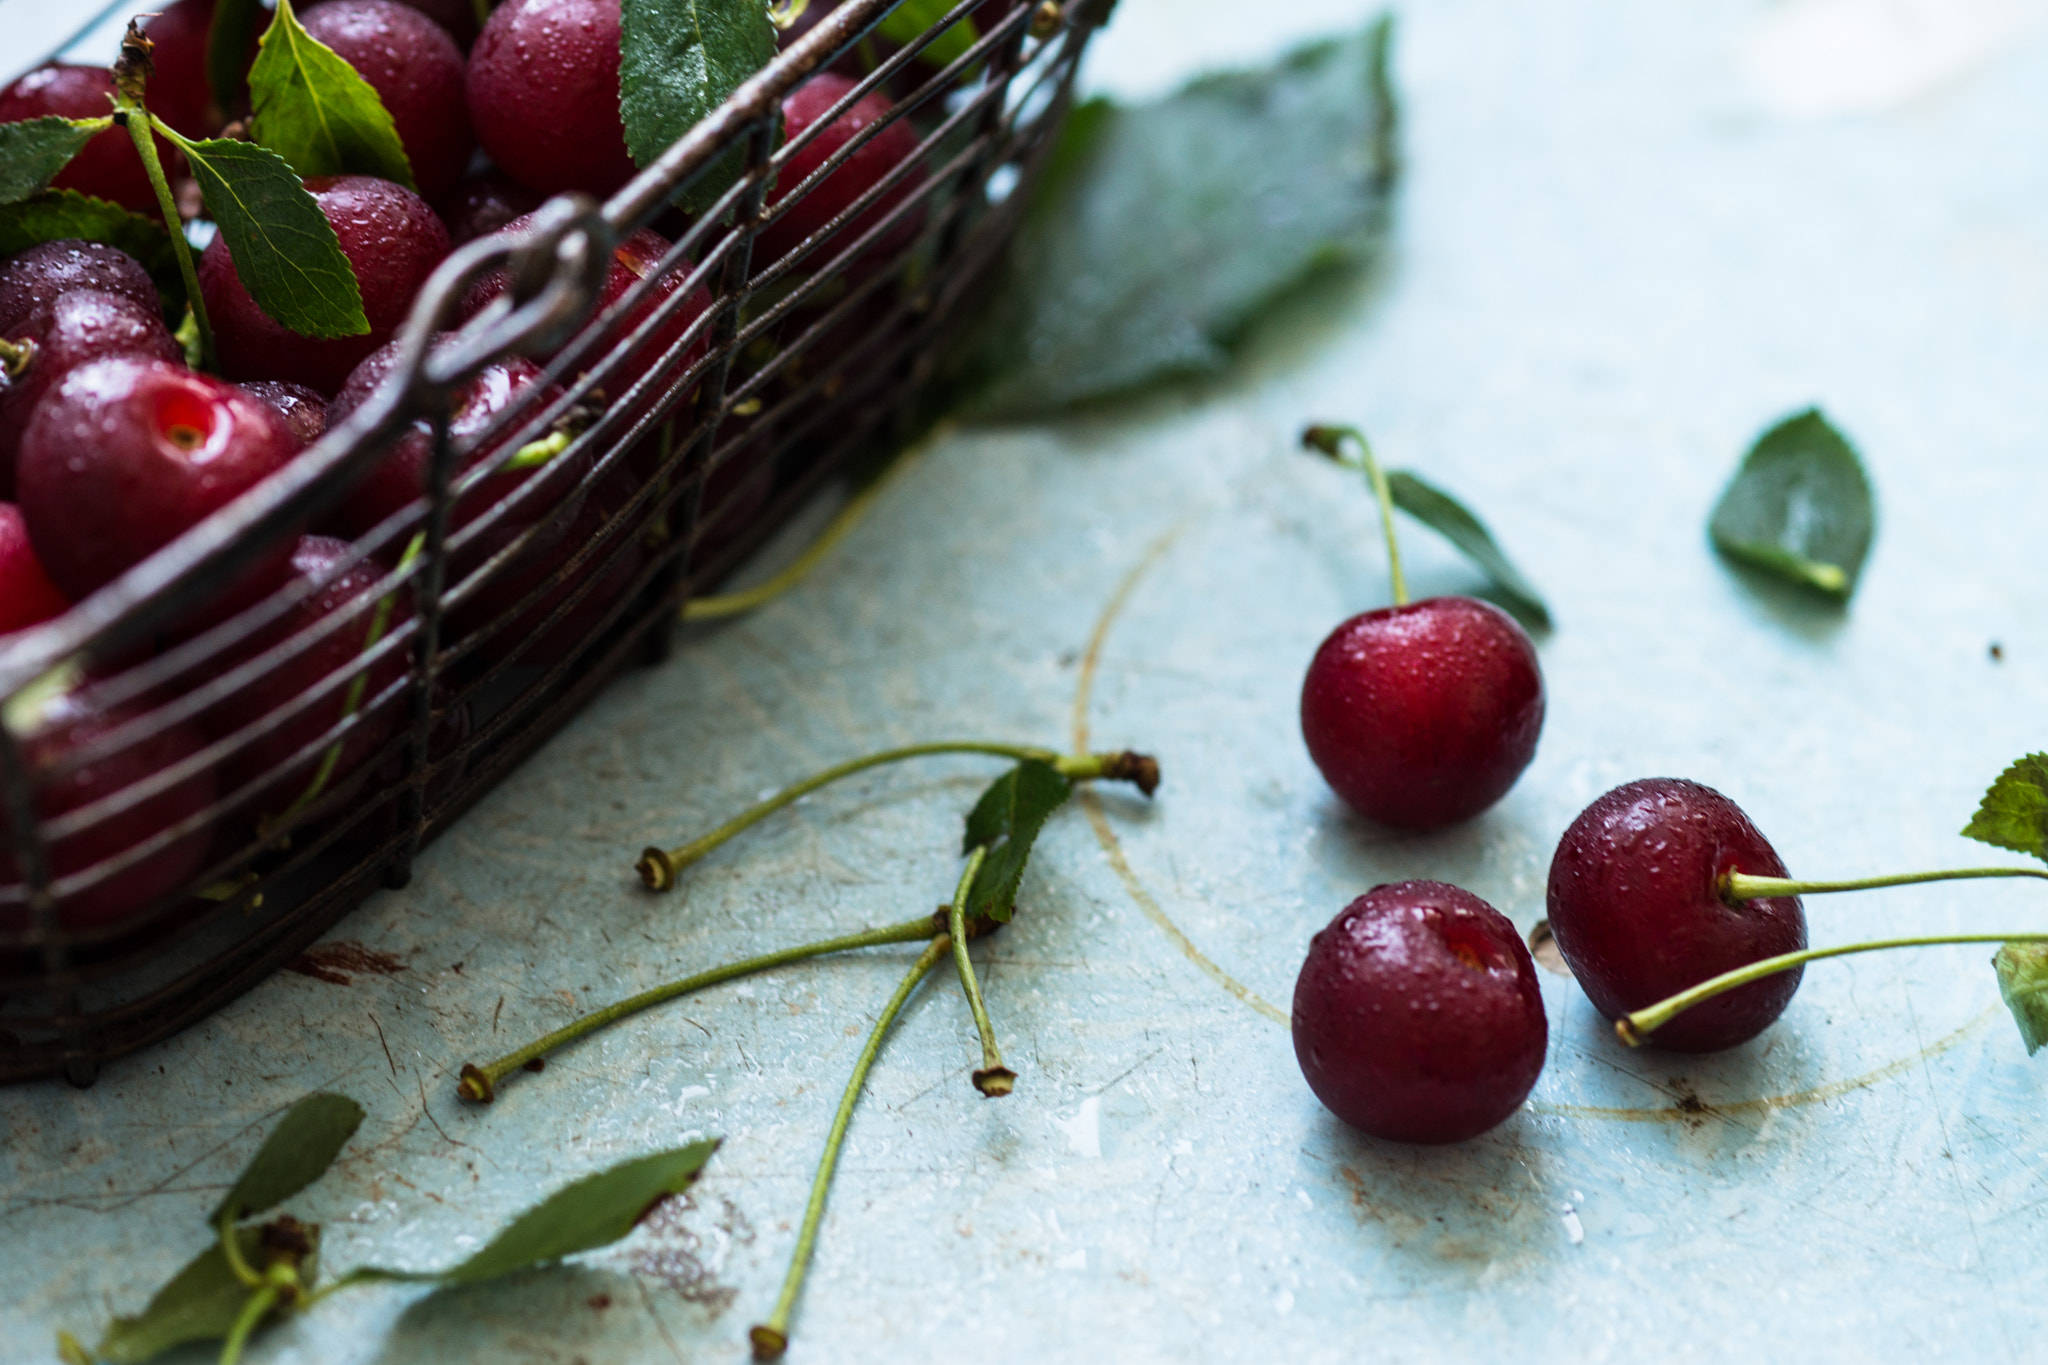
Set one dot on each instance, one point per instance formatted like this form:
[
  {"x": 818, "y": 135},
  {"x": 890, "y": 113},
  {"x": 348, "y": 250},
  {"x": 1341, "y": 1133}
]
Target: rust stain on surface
[{"x": 332, "y": 963}]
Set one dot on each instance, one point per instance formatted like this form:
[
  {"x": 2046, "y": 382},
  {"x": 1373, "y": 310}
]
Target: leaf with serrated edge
[
  {"x": 56, "y": 215},
  {"x": 2014, "y": 811},
  {"x": 200, "y": 1303},
  {"x": 285, "y": 250},
  {"x": 908, "y": 21},
  {"x": 678, "y": 61},
  {"x": 1799, "y": 507},
  {"x": 1453, "y": 521},
  {"x": 1006, "y": 821},
  {"x": 33, "y": 150},
  {"x": 297, "y": 1153},
  {"x": 227, "y": 48},
  {"x": 312, "y": 109},
  {"x": 2023, "y": 985}
]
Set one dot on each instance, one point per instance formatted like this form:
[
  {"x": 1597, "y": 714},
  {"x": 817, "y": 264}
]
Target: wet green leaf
[
  {"x": 284, "y": 248},
  {"x": 1799, "y": 507},
  {"x": 678, "y": 61},
  {"x": 297, "y": 1153},
  {"x": 1006, "y": 822},
  {"x": 1451, "y": 519},
  {"x": 227, "y": 48},
  {"x": 2023, "y": 983},
  {"x": 2014, "y": 811},
  {"x": 57, "y": 214},
  {"x": 1161, "y": 233},
  {"x": 199, "y": 1304},
  {"x": 33, "y": 150},
  {"x": 312, "y": 109},
  {"x": 913, "y": 17}
]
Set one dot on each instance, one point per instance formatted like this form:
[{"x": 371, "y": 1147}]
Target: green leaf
[
  {"x": 200, "y": 1303},
  {"x": 33, "y": 150},
  {"x": 2023, "y": 982},
  {"x": 297, "y": 1153},
  {"x": 2014, "y": 811},
  {"x": 1451, "y": 519},
  {"x": 1799, "y": 507},
  {"x": 227, "y": 48},
  {"x": 312, "y": 109},
  {"x": 1006, "y": 821},
  {"x": 678, "y": 61},
  {"x": 58, "y": 214},
  {"x": 1161, "y": 233},
  {"x": 908, "y": 22},
  {"x": 284, "y": 248}
]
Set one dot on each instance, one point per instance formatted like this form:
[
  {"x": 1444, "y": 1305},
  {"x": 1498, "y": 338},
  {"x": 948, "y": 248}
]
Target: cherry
[
  {"x": 483, "y": 203},
  {"x": 1417, "y": 1017},
  {"x": 392, "y": 240},
  {"x": 456, "y": 17},
  {"x": 417, "y": 70},
  {"x": 568, "y": 634},
  {"x": 1637, "y": 908},
  {"x": 125, "y": 454},
  {"x": 543, "y": 94},
  {"x": 38, "y": 275},
  {"x": 303, "y": 409},
  {"x": 179, "y": 92},
  {"x": 77, "y": 326},
  {"x": 68, "y": 723},
  {"x": 834, "y": 194},
  {"x": 27, "y": 596},
  {"x": 106, "y": 167}
]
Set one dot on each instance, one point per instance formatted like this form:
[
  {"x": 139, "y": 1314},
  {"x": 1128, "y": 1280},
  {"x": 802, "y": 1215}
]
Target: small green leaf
[
  {"x": 200, "y": 1303},
  {"x": 2023, "y": 982},
  {"x": 2014, "y": 811},
  {"x": 678, "y": 61},
  {"x": 297, "y": 1153},
  {"x": 1006, "y": 821},
  {"x": 908, "y": 21},
  {"x": 1799, "y": 507},
  {"x": 312, "y": 109},
  {"x": 33, "y": 150},
  {"x": 58, "y": 214},
  {"x": 227, "y": 49},
  {"x": 285, "y": 250},
  {"x": 1451, "y": 519}
]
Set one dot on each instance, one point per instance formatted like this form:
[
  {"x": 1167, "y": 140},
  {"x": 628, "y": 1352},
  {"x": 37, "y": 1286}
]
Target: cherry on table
[
  {"x": 417, "y": 71},
  {"x": 78, "y": 326},
  {"x": 106, "y": 167},
  {"x": 34, "y": 277},
  {"x": 543, "y": 92},
  {"x": 833, "y": 195},
  {"x": 1417, "y": 1015},
  {"x": 27, "y": 596}
]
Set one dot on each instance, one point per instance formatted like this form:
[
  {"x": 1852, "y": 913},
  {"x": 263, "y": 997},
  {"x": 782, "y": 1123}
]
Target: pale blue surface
[{"x": 1615, "y": 265}]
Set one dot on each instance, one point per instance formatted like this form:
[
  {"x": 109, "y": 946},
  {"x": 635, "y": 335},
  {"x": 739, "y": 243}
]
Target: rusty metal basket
[{"x": 797, "y": 366}]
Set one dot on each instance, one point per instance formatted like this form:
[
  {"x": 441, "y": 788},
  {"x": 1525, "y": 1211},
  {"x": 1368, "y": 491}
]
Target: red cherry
[
  {"x": 47, "y": 269},
  {"x": 456, "y": 17},
  {"x": 837, "y": 192},
  {"x": 605, "y": 503},
  {"x": 481, "y": 204},
  {"x": 77, "y": 326},
  {"x": 27, "y": 596},
  {"x": 1636, "y": 907},
  {"x": 392, "y": 240},
  {"x": 1423, "y": 715},
  {"x": 1417, "y": 1017},
  {"x": 179, "y": 92},
  {"x": 416, "y": 70},
  {"x": 108, "y": 166},
  {"x": 543, "y": 94},
  {"x": 303, "y": 409}
]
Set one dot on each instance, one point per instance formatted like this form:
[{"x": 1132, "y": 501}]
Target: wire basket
[{"x": 266, "y": 827}]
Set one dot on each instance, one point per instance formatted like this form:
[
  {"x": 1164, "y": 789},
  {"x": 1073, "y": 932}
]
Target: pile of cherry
[{"x": 112, "y": 445}]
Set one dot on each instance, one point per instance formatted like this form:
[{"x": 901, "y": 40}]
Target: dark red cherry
[
  {"x": 416, "y": 70},
  {"x": 1423, "y": 715},
  {"x": 392, "y": 240},
  {"x": 38, "y": 275},
  {"x": 1417, "y": 1016},
  {"x": 76, "y": 327},
  {"x": 531, "y": 570},
  {"x": 303, "y": 409},
  {"x": 1636, "y": 907},
  {"x": 27, "y": 596},
  {"x": 108, "y": 166},
  {"x": 838, "y": 191},
  {"x": 456, "y": 17},
  {"x": 543, "y": 94},
  {"x": 179, "y": 92},
  {"x": 481, "y": 204}
]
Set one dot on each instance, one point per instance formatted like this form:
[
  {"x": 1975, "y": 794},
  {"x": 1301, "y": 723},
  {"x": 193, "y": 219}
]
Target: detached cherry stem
[
  {"x": 771, "y": 1338},
  {"x": 1635, "y": 1028},
  {"x": 1330, "y": 441},
  {"x": 131, "y": 75},
  {"x": 658, "y": 867},
  {"x": 1737, "y": 887},
  {"x": 994, "y": 1080}
]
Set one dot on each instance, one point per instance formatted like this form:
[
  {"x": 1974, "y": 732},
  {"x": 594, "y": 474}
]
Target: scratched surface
[{"x": 1631, "y": 236}]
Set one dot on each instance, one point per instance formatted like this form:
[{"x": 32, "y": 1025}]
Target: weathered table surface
[{"x": 1630, "y": 237}]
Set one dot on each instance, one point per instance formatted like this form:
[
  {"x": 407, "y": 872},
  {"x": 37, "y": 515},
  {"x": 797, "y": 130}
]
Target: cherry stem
[
  {"x": 1737, "y": 887},
  {"x": 658, "y": 867},
  {"x": 994, "y": 1080},
  {"x": 131, "y": 74},
  {"x": 1635, "y": 1028},
  {"x": 259, "y": 1304},
  {"x": 1330, "y": 441},
  {"x": 231, "y": 1251},
  {"x": 771, "y": 1338},
  {"x": 481, "y": 1083},
  {"x": 16, "y": 357}
]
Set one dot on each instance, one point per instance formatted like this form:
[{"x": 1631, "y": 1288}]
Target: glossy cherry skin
[
  {"x": 1423, "y": 715},
  {"x": 106, "y": 167},
  {"x": 303, "y": 409},
  {"x": 392, "y": 240},
  {"x": 125, "y": 455},
  {"x": 38, "y": 275},
  {"x": 1417, "y": 1017},
  {"x": 417, "y": 71},
  {"x": 179, "y": 92},
  {"x": 481, "y": 204},
  {"x": 1637, "y": 911},
  {"x": 76, "y": 327},
  {"x": 27, "y": 596},
  {"x": 526, "y": 575},
  {"x": 837, "y": 192},
  {"x": 456, "y": 17},
  {"x": 543, "y": 94}
]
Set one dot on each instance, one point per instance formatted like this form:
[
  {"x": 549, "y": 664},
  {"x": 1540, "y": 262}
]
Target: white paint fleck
[
  {"x": 1077, "y": 1260},
  {"x": 1817, "y": 58},
  {"x": 1573, "y": 1228},
  {"x": 1283, "y": 1302},
  {"x": 1084, "y": 1129},
  {"x": 1306, "y": 1202},
  {"x": 1186, "y": 1148}
]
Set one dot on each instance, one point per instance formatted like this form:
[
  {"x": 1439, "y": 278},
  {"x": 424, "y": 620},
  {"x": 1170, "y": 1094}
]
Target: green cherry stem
[
  {"x": 480, "y": 1083},
  {"x": 771, "y": 1338},
  {"x": 131, "y": 75},
  {"x": 1330, "y": 440},
  {"x": 1737, "y": 887},
  {"x": 994, "y": 1080},
  {"x": 231, "y": 1251},
  {"x": 1635, "y": 1028},
  {"x": 658, "y": 867},
  {"x": 16, "y": 357},
  {"x": 253, "y": 1311}
]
